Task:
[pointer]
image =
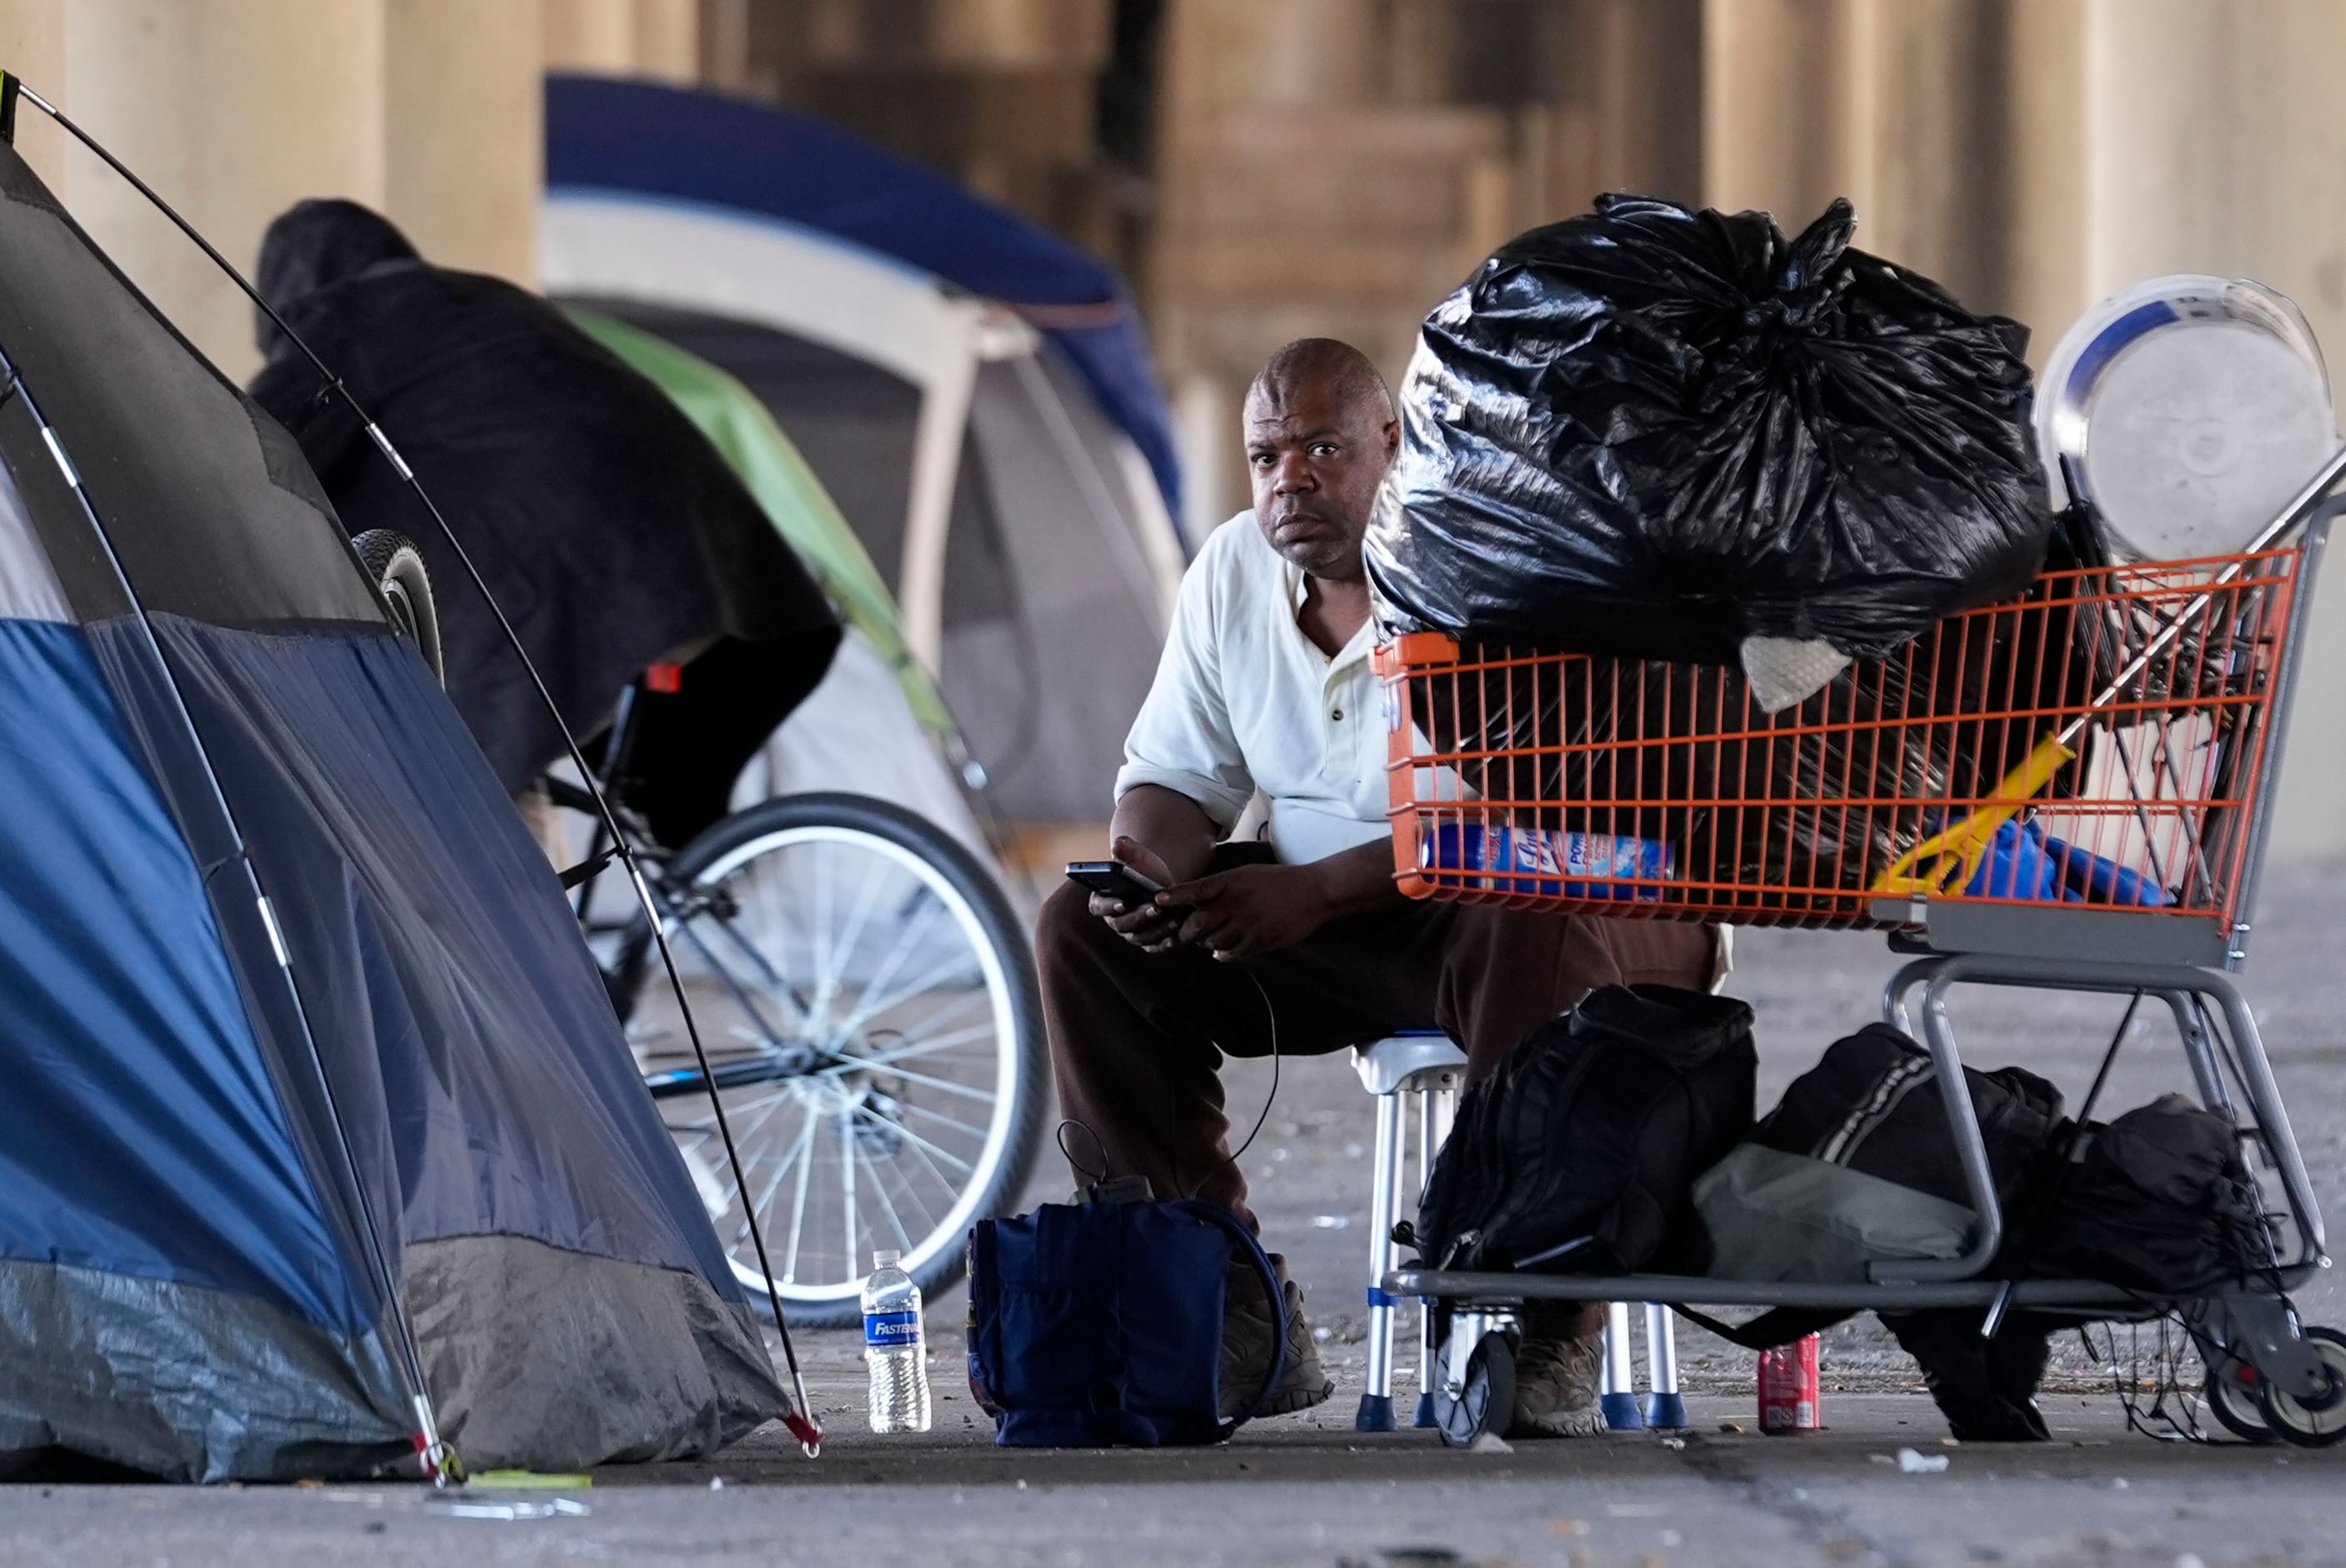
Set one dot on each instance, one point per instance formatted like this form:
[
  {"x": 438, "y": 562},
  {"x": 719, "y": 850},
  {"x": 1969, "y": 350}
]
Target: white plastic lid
[
  {"x": 2189, "y": 409},
  {"x": 885, "y": 1258}
]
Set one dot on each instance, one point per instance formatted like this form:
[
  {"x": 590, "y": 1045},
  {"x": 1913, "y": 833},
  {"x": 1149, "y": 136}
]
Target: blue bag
[
  {"x": 2025, "y": 862},
  {"x": 1101, "y": 1324}
]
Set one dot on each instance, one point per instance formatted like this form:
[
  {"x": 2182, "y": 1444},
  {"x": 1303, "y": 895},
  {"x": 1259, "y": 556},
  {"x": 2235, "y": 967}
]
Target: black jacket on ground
[{"x": 610, "y": 532}]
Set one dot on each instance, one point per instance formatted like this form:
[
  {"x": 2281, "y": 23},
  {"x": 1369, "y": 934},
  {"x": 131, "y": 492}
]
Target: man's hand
[
  {"x": 1250, "y": 910},
  {"x": 1146, "y": 926}
]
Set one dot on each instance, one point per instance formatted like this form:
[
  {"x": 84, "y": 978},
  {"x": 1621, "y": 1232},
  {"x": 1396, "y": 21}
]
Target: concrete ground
[{"x": 1307, "y": 1490}]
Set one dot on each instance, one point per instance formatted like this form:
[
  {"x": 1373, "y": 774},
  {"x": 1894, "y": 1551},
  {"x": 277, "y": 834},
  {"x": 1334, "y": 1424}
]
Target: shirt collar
[{"x": 1362, "y": 640}]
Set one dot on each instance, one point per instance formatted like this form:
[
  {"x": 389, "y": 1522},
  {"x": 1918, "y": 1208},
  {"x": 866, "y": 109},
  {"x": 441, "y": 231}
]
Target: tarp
[{"x": 316, "y": 1107}]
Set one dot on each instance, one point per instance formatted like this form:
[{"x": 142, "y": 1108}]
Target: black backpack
[
  {"x": 2158, "y": 1200},
  {"x": 1576, "y": 1155},
  {"x": 1873, "y": 1105}
]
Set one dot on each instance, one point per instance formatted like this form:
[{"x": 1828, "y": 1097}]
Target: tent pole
[
  {"x": 938, "y": 436},
  {"x": 801, "y": 1420}
]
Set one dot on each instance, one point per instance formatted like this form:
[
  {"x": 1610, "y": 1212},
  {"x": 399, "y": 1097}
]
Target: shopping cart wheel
[
  {"x": 1487, "y": 1402},
  {"x": 2311, "y": 1423},
  {"x": 2237, "y": 1409}
]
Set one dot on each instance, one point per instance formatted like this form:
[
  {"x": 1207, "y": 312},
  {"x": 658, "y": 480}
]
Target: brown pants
[{"x": 1136, "y": 1037}]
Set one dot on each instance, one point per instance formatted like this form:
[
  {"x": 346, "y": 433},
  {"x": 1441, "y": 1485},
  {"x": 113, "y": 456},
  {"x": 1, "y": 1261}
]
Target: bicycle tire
[
  {"x": 1005, "y": 933},
  {"x": 396, "y": 568}
]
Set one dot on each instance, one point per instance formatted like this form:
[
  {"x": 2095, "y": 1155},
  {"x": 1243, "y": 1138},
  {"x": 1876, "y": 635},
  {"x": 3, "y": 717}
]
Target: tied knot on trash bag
[
  {"x": 1657, "y": 432},
  {"x": 1803, "y": 297}
]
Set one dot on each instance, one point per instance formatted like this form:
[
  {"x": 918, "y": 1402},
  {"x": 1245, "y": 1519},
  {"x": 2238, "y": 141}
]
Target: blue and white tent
[
  {"x": 318, "y": 1135},
  {"x": 976, "y": 393}
]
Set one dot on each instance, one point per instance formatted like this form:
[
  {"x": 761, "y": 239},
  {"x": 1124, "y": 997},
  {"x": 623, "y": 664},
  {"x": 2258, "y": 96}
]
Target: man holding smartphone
[{"x": 1302, "y": 942}]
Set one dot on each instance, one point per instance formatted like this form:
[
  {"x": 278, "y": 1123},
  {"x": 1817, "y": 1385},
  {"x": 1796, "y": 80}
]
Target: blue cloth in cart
[{"x": 2027, "y": 862}]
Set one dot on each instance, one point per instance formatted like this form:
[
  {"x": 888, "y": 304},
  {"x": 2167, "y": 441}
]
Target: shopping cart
[{"x": 2070, "y": 792}]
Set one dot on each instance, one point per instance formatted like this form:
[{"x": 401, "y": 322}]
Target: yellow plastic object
[
  {"x": 1953, "y": 854},
  {"x": 530, "y": 1481}
]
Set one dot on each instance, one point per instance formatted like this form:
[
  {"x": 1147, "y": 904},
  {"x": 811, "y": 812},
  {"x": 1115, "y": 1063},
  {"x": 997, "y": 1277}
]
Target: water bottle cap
[{"x": 885, "y": 1258}]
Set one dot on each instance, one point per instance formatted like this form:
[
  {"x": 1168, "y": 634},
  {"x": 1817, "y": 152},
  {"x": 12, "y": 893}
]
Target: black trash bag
[{"x": 1657, "y": 432}]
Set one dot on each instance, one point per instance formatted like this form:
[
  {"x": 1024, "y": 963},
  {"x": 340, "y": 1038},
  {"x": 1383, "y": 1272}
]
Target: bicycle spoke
[
  {"x": 880, "y": 1191},
  {"x": 945, "y": 1155},
  {"x": 974, "y": 1129},
  {"x": 959, "y": 1037},
  {"x": 852, "y": 938},
  {"x": 734, "y": 988},
  {"x": 819, "y": 942},
  {"x": 865, "y": 1008},
  {"x": 942, "y": 1084},
  {"x": 805, "y": 1162},
  {"x": 942, "y": 1180},
  {"x": 849, "y": 1213},
  {"x": 781, "y": 1169}
]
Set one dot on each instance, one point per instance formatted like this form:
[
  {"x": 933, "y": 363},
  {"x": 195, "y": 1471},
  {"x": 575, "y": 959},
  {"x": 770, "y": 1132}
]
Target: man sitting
[{"x": 1302, "y": 941}]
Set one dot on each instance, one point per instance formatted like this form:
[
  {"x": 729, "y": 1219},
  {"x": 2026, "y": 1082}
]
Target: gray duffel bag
[{"x": 1769, "y": 1215}]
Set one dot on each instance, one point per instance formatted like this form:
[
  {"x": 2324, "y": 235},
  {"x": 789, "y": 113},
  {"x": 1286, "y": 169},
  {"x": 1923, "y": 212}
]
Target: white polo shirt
[{"x": 1243, "y": 700}]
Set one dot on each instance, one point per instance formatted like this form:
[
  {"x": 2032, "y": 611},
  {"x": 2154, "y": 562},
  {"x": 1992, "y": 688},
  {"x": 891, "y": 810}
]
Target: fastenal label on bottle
[{"x": 891, "y": 1331}]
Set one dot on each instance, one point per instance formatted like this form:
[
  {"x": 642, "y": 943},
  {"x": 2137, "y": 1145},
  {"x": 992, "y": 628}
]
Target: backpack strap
[
  {"x": 1244, "y": 1242},
  {"x": 1777, "y": 1326}
]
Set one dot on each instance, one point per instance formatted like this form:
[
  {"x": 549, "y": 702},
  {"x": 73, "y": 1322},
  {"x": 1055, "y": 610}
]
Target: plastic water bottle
[{"x": 895, "y": 1347}]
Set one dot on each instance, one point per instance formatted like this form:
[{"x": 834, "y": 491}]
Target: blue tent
[
  {"x": 603, "y": 133},
  {"x": 320, "y": 1138}
]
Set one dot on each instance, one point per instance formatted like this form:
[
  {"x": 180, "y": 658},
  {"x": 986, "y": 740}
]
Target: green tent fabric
[{"x": 738, "y": 426}]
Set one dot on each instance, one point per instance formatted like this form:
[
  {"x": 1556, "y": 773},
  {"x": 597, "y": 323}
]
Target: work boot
[
  {"x": 1556, "y": 1388},
  {"x": 1247, "y": 1330}
]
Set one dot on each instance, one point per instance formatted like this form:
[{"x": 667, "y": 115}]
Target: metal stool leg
[
  {"x": 1432, "y": 1127},
  {"x": 1617, "y": 1395},
  {"x": 1376, "y": 1412},
  {"x": 1665, "y": 1407}
]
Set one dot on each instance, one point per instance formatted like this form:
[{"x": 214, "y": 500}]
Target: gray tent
[{"x": 999, "y": 463}]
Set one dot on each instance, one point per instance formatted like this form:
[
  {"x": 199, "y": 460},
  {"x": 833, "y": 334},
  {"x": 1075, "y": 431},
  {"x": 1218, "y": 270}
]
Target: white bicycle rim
[{"x": 750, "y": 1111}]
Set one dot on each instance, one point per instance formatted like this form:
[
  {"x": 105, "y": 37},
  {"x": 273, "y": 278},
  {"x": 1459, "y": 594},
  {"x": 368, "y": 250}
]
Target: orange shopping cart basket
[{"x": 2103, "y": 742}]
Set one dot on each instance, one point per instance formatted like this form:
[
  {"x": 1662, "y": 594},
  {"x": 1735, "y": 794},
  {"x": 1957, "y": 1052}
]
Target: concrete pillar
[
  {"x": 464, "y": 143},
  {"x": 1779, "y": 105},
  {"x": 2047, "y": 281},
  {"x": 2209, "y": 147},
  {"x": 232, "y": 110},
  {"x": 658, "y": 39},
  {"x": 1898, "y": 104}
]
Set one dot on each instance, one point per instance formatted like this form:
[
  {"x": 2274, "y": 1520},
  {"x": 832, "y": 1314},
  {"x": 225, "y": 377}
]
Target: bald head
[
  {"x": 1319, "y": 432},
  {"x": 1325, "y": 366}
]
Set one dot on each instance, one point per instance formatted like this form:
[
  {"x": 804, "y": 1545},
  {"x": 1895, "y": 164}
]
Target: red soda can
[{"x": 1790, "y": 1395}]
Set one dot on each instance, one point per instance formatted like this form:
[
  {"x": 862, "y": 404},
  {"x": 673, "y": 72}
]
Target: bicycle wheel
[{"x": 867, "y": 999}]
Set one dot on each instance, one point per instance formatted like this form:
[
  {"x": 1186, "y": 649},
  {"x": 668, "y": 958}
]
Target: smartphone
[{"x": 1114, "y": 877}]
